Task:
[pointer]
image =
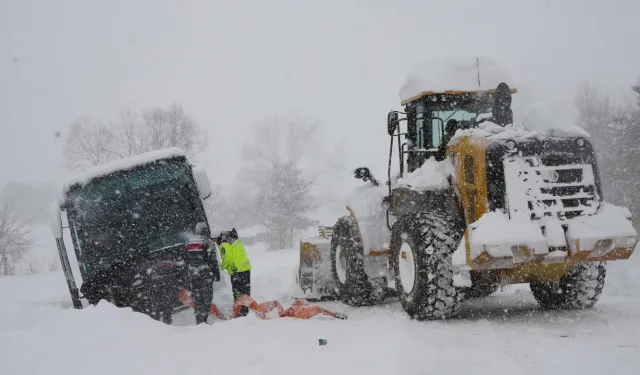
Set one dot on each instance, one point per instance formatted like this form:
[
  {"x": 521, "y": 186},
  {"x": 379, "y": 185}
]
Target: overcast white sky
[{"x": 231, "y": 62}]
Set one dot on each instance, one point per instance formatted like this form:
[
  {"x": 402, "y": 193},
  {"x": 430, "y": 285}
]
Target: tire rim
[
  {"x": 341, "y": 268},
  {"x": 406, "y": 268}
]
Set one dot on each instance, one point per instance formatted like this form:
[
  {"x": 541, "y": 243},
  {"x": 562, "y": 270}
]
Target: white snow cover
[
  {"x": 460, "y": 73},
  {"x": 366, "y": 200},
  {"x": 55, "y": 219},
  {"x": 432, "y": 175},
  {"x": 492, "y": 131},
  {"x": 610, "y": 222},
  {"x": 366, "y": 204},
  {"x": 525, "y": 178},
  {"x": 439, "y": 74},
  {"x": 505, "y": 334},
  {"x": 496, "y": 233},
  {"x": 552, "y": 118},
  {"x": 125, "y": 163}
]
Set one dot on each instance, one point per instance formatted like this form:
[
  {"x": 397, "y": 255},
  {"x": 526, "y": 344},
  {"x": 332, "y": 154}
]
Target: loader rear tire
[
  {"x": 351, "y": 282},
  {"x": 426, "y": 241},
  {"x": 580, "y": 288}
]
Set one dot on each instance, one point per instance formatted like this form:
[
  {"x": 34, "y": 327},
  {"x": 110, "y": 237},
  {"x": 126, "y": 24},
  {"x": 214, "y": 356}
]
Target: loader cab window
[
  {"x": 421, "y": 119},
  {"x": 428, "y": 129},
  {"x": 431, "y": 127},
  {"x": 442, "y": 118}
]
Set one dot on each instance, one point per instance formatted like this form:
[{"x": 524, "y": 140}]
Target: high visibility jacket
[{"x": 234, "y": 258}]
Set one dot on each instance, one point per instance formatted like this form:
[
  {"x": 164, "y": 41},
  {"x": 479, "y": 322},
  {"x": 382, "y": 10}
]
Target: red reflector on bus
[{"x": 195, "y": 246}]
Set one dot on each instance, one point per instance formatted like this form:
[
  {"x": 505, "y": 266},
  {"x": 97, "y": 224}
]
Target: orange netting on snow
[{"x": 300, "y": 309}]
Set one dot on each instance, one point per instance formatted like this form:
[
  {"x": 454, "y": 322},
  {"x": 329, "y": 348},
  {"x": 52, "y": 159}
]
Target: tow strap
[{"x": 300, "y": 309}]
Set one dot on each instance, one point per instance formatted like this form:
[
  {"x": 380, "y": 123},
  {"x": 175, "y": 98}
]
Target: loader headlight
[
  {"x": 511, "y": 145},
  {"x": 580, "y": 142},
  {"x": 626, "y": 242}
]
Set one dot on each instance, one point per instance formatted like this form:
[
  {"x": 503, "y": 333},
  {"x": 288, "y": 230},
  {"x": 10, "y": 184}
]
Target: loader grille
[{"x": 549, "y": 187}]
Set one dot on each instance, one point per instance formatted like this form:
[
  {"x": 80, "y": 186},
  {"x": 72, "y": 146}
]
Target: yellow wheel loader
[{"x": 477, "y": 204}]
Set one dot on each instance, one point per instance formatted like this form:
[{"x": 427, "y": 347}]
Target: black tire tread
[
  {"x": 435, "y": 237},
  {"x": 580, "y": 288},
  {"x": 357, "y": 290}
]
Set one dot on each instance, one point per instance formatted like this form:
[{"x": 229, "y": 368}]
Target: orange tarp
[{"x": 300, "y": 309}]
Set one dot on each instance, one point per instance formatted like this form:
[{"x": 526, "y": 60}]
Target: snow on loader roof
[
  {"x": 453, "y": 75},
  {"x": 121, "y": 164}
]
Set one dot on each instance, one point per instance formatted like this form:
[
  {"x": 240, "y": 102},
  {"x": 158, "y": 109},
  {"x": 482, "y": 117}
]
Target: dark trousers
[
  {"x": 201, "y": 279},
  {"x": 241, "y": 284}
]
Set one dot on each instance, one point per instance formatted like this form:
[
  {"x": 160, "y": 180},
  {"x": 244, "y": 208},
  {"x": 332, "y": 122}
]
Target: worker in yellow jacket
[{"x": 236, "y": 263}]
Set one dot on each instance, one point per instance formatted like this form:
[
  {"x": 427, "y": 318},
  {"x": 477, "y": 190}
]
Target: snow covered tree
[
  {"x": 16, "y": 239},
  {"x": 288, "y": 139},
  {"x": 615, "y": 131},
  {"x": 92, "y": 142},
  {"x": 282, "y": 203},
  {"x": 285, "y": 158}
]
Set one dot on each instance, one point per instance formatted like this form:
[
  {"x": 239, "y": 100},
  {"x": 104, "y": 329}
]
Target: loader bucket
[{"x": 314, "y": 271}]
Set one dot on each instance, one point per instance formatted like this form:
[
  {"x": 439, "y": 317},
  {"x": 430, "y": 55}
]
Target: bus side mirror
[
  {"x": 55, "y": 219},
  {"x": 392, "y": 122},
  {"x": 202, "y": 229},
  {"x": 202, "y": 180}
]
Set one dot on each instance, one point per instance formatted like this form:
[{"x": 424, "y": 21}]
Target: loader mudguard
[{"x": 68, "y": 274}]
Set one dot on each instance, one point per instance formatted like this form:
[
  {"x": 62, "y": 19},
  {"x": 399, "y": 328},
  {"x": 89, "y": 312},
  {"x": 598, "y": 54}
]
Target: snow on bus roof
[
  {"x": 122, "y": 164},
  {"x": 453, "y": 74}
]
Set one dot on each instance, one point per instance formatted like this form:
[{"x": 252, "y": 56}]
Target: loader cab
[{"x": 434, "y": 118}]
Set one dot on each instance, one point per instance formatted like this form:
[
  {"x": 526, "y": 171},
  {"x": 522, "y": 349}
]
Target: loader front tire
[
  {"x": 351, "y": 282},
  {"x": 580, "y": 288},
  {"x": 421, "y": 246}
]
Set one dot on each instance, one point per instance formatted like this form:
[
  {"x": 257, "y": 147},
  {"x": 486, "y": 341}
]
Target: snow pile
[
  {"x": 487, "y": 129},
  {"x": 432, "y": 175},
  {"x": 41, "y": 334},
  {"x": 366, "y": 201},
  {"x": 552, "y": 118},
  {"x": 610, "y": 221},
  {"x": 125, "y": 163},
  {"x": 366, "y": 204},
  {"x": 492, "y": 131},
  {"x": 454, "y": 73},
  {"x": 496, "y": 233}
]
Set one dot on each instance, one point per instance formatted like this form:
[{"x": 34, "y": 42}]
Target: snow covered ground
[{"x": 503, "y": 334}]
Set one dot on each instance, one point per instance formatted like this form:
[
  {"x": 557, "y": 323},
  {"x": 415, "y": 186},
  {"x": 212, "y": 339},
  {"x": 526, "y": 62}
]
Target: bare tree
[
  {"x": 54, "y": 264},
  {"x": 16, "y": 239},
  {"x": 92, "y": 142},
  {"x": 288, "y": 139},
  {"x": 33, "y": 266}
]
